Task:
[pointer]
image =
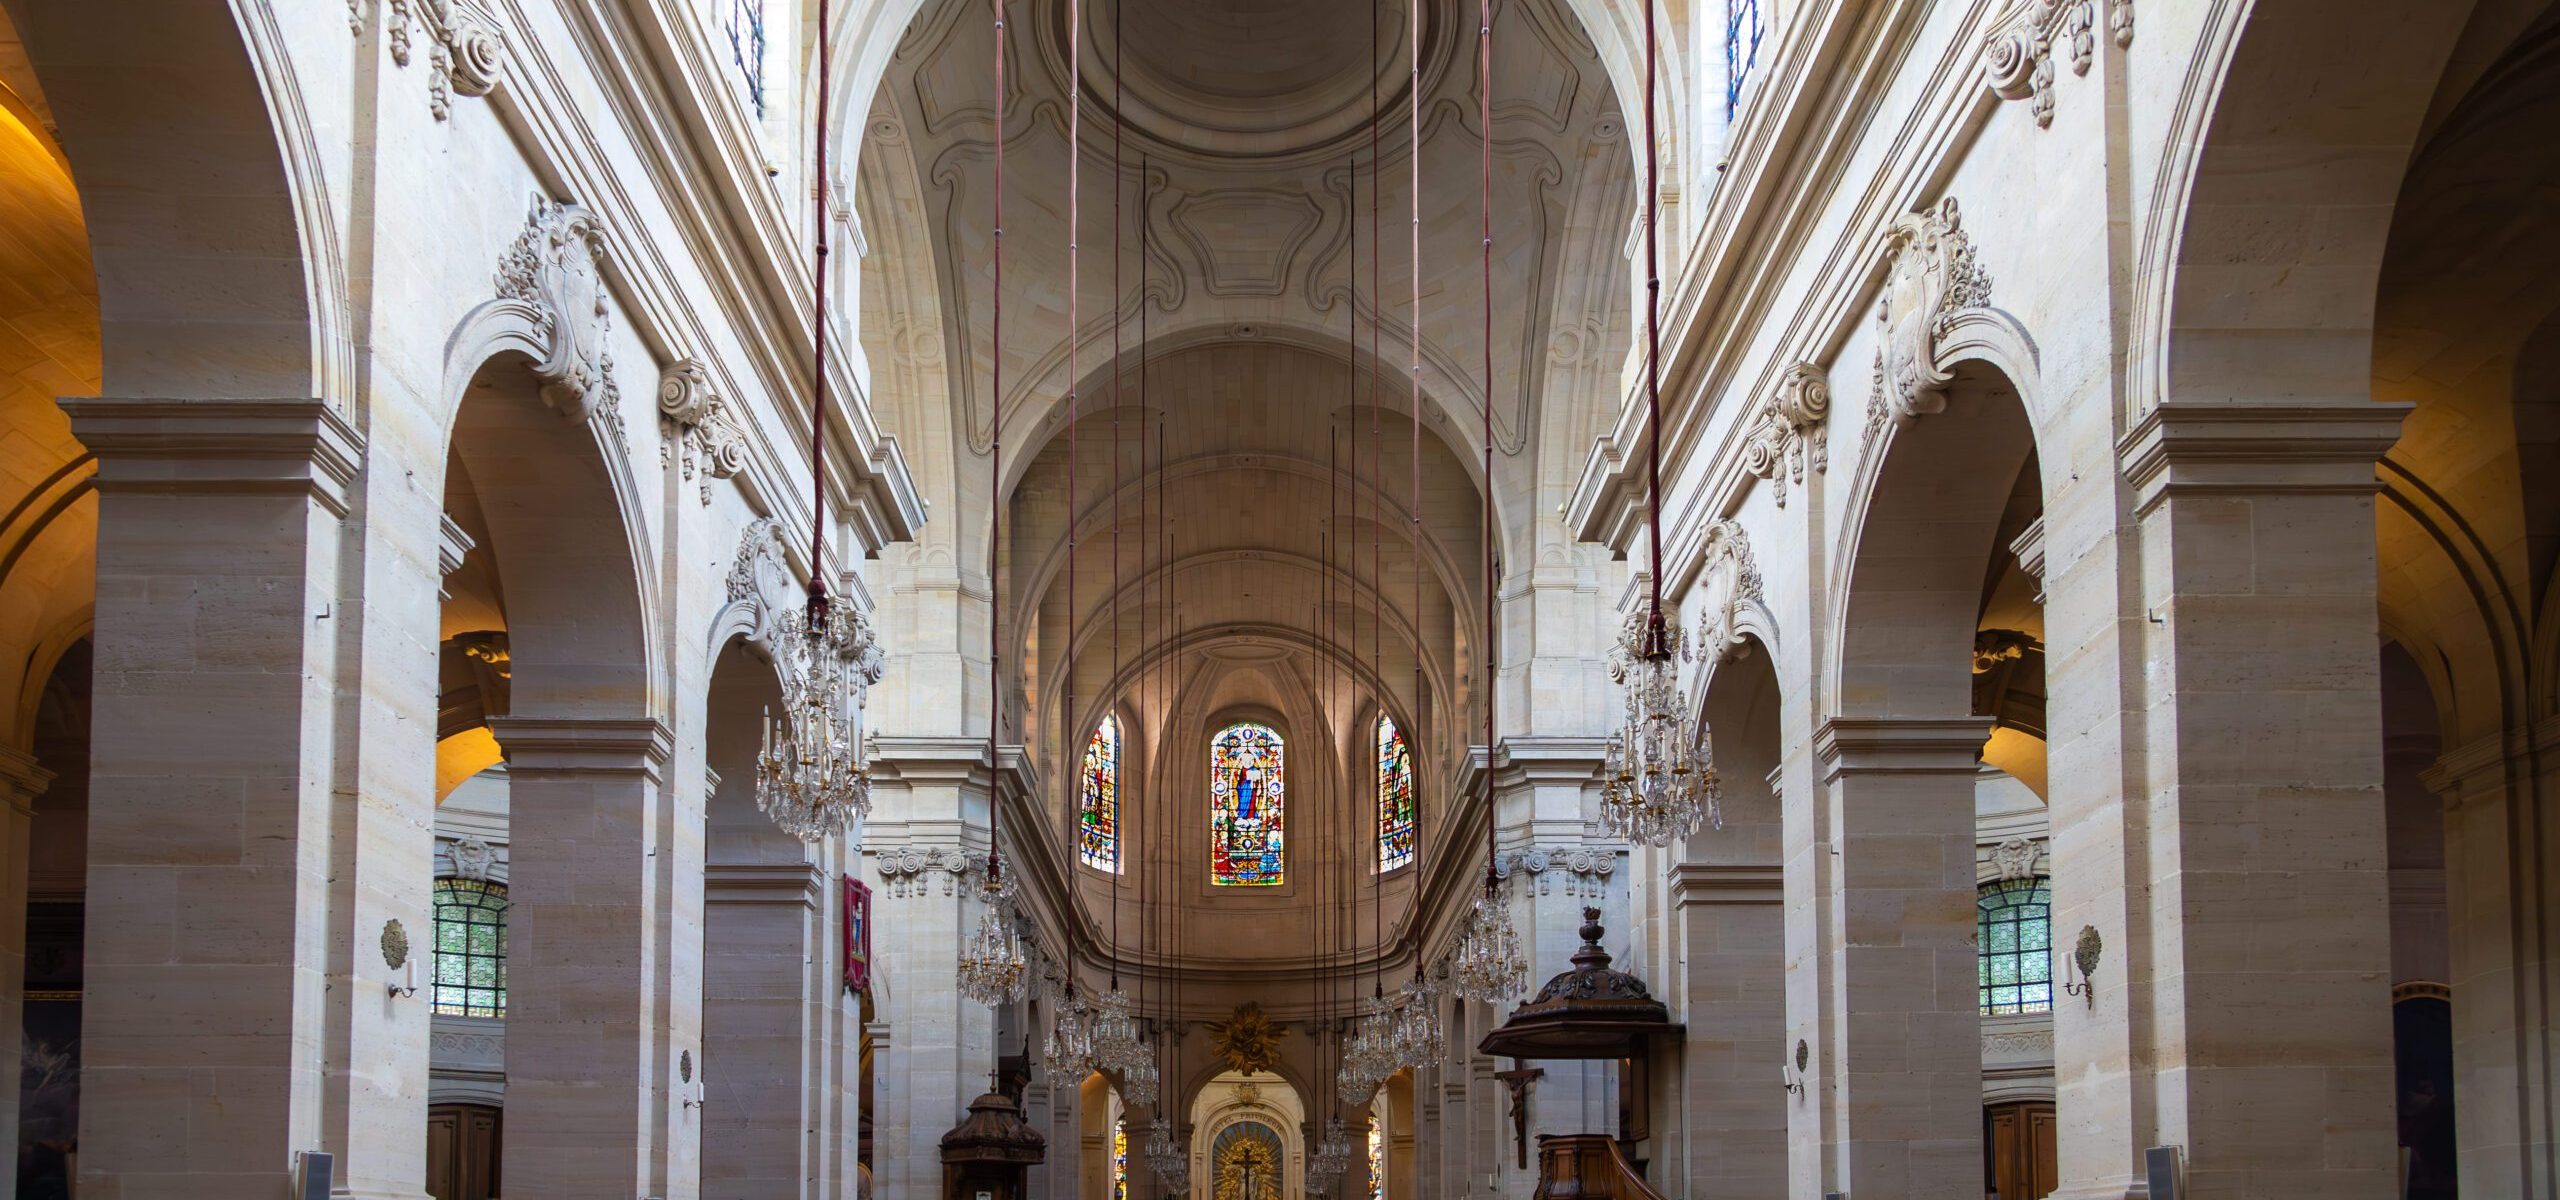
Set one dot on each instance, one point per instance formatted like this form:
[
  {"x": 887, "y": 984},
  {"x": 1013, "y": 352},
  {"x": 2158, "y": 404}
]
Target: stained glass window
[
  {"x": 1120, "y": 1160},
  {"x": 2017, "y": 946},
  {"x": 1098, "y": 799},
  {"x": 743, "y": 23},
  {"x": 471, "y": 948},
  {"x": 1741, "y": 50},
  {"x": 1247, "y": 807},
  {"x": 1395, "y": 796},
  {"x": 1377, "y": 1159}
]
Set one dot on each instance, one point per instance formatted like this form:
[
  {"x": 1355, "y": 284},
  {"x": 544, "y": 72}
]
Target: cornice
[
  {"x": 2184, "y": 449},
  {"x": 199, "y": 447}
]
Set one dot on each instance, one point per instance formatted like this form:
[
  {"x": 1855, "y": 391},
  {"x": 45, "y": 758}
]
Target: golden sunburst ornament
[{"x": 1248, "y": 1040}]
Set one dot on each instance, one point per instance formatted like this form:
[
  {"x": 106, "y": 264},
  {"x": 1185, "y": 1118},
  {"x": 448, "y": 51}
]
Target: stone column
[
  {"x": 926, "y": 843},
  {"x": 212, "y": 763},
  {"x": 1898, "y": 1065},
  {"x": 2250, "y": 979},
  {"x": 2493, "y": 790},
  {"x": 760, "y": 951},
  {"x": 21, "y": 781},
  {"x": 587, "y": 1097},
  {"x": 1732, "y": 935}
]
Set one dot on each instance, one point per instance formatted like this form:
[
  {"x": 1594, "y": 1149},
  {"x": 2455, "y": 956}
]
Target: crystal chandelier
[
  {"x": 1489, "y": 966},
  {"x": 1661, "y": 784},
  {"x": 993, "y": 971},
  {"x": 1660, "y": 776},
  {"x": 1166, "y": 1158},
  {"x": 809, "y": 776},
  {"x": 1418, "y": 1038},
  {"x": 1332, "y": 1156},
  {"x": 1069, "y": 1048}
]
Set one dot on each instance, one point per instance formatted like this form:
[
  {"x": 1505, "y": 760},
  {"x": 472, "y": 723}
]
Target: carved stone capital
[
  {"x": 2183, "y": 449},
  {"x": 220, "y": 446}
]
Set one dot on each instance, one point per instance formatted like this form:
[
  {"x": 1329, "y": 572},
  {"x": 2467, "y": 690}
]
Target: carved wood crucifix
[{"x": 1518, "y": 1080}]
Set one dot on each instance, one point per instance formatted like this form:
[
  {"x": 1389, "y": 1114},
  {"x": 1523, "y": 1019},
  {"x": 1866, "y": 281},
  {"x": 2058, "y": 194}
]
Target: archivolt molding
[
  {"x": 2017, "y": 57},
  {"x": 695, "y": 430},
  {"x": 465, "y": 48},
  {"x": 1791, "y": 431}
]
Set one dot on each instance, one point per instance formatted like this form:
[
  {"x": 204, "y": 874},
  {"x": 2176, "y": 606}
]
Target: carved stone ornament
[
  {"x": 2017, "y": 858},
  {"x": 1584, "y": 870},
  {"x": 465, "y": 48},
  {"x": 556, "y": 267},
  {"x": 914, "y": 870},
  {"x": 696, "y": 432},
  {"x": 2018, "y": 57},
  {"x": 472, "y": 858},
  {"x": 1791, "y": 431},
  {"x": 1728, "y": 579},
  {"x": 684, "y": 1066},
  {"x": 1930, "y": 276},
  {"x": 760, "y": 578},
  {"x": 395, "y": 944}
]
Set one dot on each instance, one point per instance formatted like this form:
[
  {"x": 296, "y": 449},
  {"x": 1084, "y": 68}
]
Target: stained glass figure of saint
[
  {"x": 1247, "y": 807},
  {"x": 1395, "y": 797},
  {"x": 1098, "y": 799}
]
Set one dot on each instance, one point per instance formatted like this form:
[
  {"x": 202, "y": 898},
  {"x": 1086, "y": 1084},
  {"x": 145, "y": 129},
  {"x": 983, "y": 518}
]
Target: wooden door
[
  {"x": 462, "y": 1151},
  {"x": 2017, "y": 1148}
]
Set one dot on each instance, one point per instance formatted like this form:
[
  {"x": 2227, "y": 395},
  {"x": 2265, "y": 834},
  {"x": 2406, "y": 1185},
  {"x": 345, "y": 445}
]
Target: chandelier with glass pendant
[
  {"x": 809, "y": 776},
  {"x": 1165, "y": 1157},
  {"x": 1332, "y": 1156},
  {"x": 1069, "y": 1047},
  {"x": 992, "y": 968},
  {"x": 1661, "y": 786},
  {"x": 1489, "y": 964}
]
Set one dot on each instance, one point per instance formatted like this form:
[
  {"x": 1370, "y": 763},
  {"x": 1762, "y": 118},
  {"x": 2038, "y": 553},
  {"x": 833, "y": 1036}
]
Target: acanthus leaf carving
[
  {"x": 1792, "y": 430},
  {"x": 696, "y": 432},
  {"x": 2017, "y": 858},
  {"x": 1930, "y": 276},
  {"x": 2018, "y": 57},
  {"x": 1728, "y": 578},
  {"x": 465, "y": 48},
  {"x": 908, "y": 871},
  {"x": 555, "y": 266},
  {"x": 1585, "y": 869}
]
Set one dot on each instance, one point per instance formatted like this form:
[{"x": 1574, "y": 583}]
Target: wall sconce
[
  {"x": 1793, "y": 1072},
  {"x": 395, "y": 955},
  {"x": 693, "y": 1089},
  {"x": 2085, "y": 957}
]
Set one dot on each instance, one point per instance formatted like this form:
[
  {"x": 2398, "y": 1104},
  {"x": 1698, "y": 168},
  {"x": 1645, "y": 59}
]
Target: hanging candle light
[
  {"x": 1661, "y": 781},
  {"x": 1166, "y": 1158}
]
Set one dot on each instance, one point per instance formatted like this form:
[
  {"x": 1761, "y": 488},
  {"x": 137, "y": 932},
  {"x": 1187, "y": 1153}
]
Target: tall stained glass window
[
  {"x": 1120, "y": 1160},
  {"x": 1741, "y": 50},
  {"x": 1377, "y": 1159},
  {"x": 1395, "y": 797},
  {"x": 1098, "y": 799},
  {"x": 2017, "y": 946},
  {"x": 743, "y": 22},
  {"x": 1247, "y": 807},
  {"x": 471, "y": 948}
]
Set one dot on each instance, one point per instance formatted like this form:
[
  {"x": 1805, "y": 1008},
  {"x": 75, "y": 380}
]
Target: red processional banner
[{"x": 857, "y": 936}]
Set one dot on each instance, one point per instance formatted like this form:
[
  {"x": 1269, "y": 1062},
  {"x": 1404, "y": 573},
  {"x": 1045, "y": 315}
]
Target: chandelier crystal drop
[
  {"x": 1418, "y": 1037},
  {"x": 1489, "y": 966},
  {"x": 1661, "y": 778},
  {"x": 1116, "y": 1044},
  {"x": 993, "y": 971},
  {"x": 810, "y": 780},
  {"x": 1069, "y": 1048},
  {"x": 1331, "y": 1158},
  {"x": 1166, "y": 1158}
]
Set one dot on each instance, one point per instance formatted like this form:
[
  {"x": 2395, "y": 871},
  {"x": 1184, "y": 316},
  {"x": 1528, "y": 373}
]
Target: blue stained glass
[
  {"x": 1396, "y": 807},
  {"x": 1742, "y": 31},
  {"x": 1248, "y": 807},
  {"x": 1098, "y": 799}
]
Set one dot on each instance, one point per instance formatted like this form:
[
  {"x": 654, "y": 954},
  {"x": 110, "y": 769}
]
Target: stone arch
[{"x": 252, "y": 314}]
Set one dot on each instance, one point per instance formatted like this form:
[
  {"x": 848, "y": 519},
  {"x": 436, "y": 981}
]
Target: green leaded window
[
  {"x": 471, "y": 948},
  {"x": 2017, "y": 946}
]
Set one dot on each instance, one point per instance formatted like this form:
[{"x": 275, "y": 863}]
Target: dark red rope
[{"x": 818, "y": 360}]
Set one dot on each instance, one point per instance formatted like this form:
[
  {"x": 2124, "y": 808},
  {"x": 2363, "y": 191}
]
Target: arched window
[
  {"x": 1247, "y": 807},
  {"x": 1098, "y": 799},
  {"x": 1377, "y": 1157},
  {"x": 471, "y": 948},
  {"x": 2017, "y": 946},
  {"x": 1395, "y": 796},
  {"x": 1120, "y": 1160},
  {"x": 1742, "y": 31}
]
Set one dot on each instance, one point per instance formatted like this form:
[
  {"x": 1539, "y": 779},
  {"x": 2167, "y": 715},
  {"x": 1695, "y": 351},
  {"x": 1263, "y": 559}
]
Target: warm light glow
[{"x": 462, "y": 756}]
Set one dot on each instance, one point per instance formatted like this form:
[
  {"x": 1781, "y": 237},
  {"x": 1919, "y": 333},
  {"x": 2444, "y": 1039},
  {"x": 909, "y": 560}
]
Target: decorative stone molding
[
  {"x": 761, "y": 588},
  {"x": 220, "y": 447},
  {"x": 695, "y": 430},
  {"x": 1728, "y": 579},
  {"x": 555, "y": 267},
  {"x": 471, "y": 857},
  {"x": 907, "y": 871},
  {"x": 1585, "y": 869},
  {"x": 1992, "y": 647},
  {"x": 2012, "y": 1048},
  {"x": 1791, "y": 431},
  {"x": 452, "y": 546},
  {"x": 2017, "y": 58},
  {"x": 465, "y": 48},
  {"x": 2210, "y": 450},
  {"x": 2018, "y": 858},
  {"x": 1930, "y": 276},
  {"x": 2029, "y": 549}
]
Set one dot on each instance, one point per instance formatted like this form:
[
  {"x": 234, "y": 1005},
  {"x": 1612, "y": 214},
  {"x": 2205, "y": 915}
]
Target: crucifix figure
[{"x": 1518, "y": 1079}]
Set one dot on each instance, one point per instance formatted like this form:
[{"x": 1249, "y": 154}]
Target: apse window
[
  {"x": 2017, "y": 946},
  {"x": 1742, "y": 30},
  {"x": 1098, "y": 799},
  {"x": 742, "y": 22},
  {"x": 1248, "y": 815},
  {"x": 1396, "y": 808},
  {"x": 471, "y": 948}
]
